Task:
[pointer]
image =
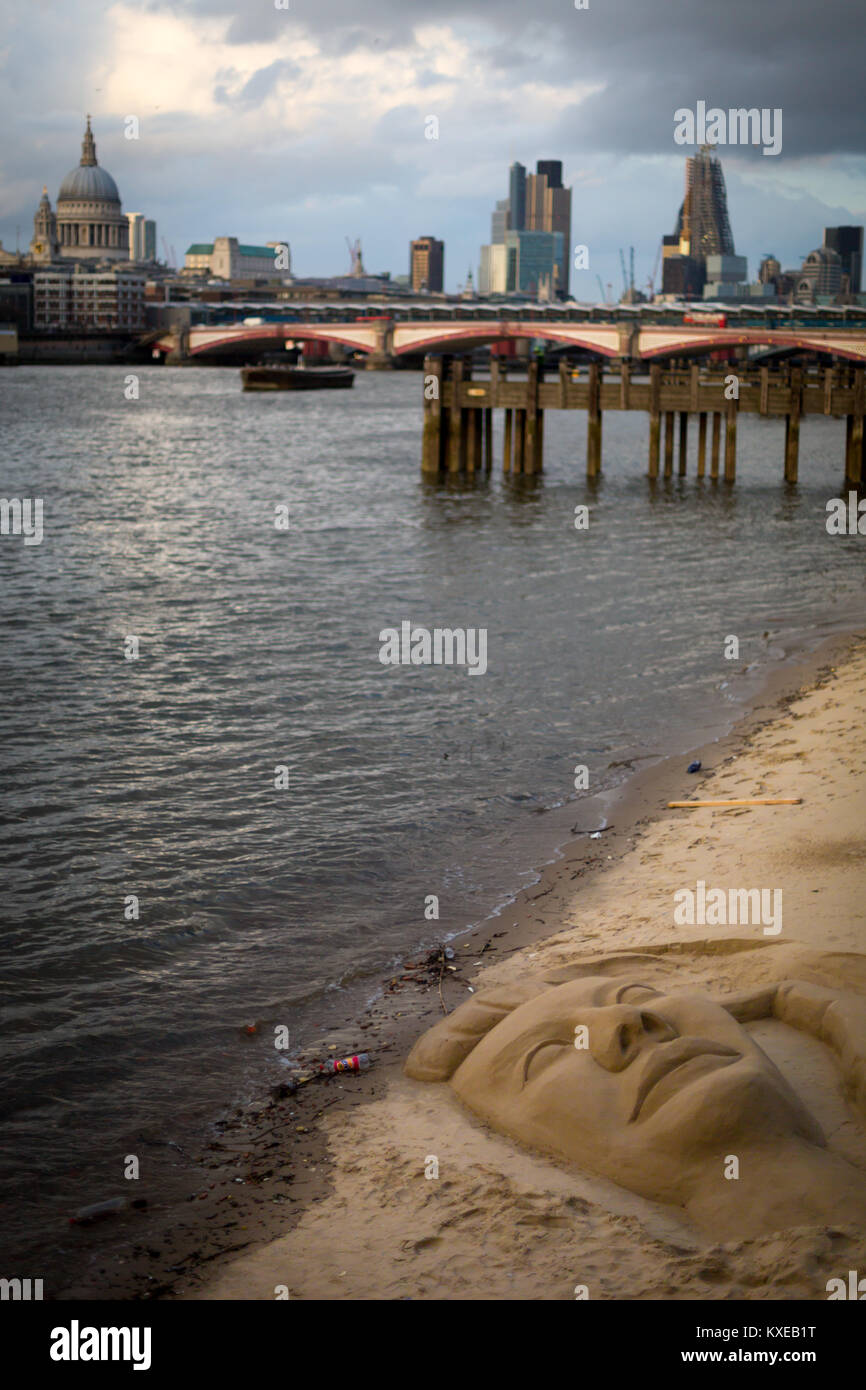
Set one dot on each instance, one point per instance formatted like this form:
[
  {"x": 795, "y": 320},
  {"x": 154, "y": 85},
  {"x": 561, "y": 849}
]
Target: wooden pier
[{"x": 458, "y": 412}]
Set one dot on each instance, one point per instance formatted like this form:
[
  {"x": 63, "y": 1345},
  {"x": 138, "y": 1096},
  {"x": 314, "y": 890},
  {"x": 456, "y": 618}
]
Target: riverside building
[
  {"x": 83, "y": 299},
  {"x": 225, "y": 258}
]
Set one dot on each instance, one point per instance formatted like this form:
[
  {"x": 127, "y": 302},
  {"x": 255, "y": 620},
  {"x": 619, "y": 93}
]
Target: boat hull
[{"x": 291, "y": 378}]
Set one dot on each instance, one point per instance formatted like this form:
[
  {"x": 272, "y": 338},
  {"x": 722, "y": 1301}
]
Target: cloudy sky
[{"x": 307, "y": 123}]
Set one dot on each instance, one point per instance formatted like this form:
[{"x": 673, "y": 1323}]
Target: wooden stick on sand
[{"x": 744, "y": 801}]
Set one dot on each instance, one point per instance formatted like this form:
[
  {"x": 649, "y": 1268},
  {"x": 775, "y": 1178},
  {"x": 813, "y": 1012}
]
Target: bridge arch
[
  {"x": 426, "y": 337},
  {"x": 362, "y": 336},
  {"x": 674, "y": 340}
]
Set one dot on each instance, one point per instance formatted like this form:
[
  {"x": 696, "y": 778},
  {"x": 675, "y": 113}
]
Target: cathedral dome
[
  {"x": 88, "y": 181},
  {"x": 90, "y": 224}
]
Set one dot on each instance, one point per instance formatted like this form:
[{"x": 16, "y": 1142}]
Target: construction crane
[
  {"x": 627, "y": 280},
  {"x": 356, "y": 263},
  {"x": 170, "y": 257},
  {"x": 651, "y": 283},
  {"x": 601, "y": 290}
]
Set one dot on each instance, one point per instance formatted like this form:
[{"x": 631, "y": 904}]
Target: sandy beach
[{"x": 501, "y": 1221}]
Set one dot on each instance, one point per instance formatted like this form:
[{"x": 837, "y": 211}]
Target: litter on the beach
[
  {"x": 358, "y": 1063},
  {"x": 743, "y": 801},
  {"x": 99, "y": 1210},
  {"x": 694, "y": 767}
]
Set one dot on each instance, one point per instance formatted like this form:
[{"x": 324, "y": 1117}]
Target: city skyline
[
  {"x": 318, "y": 144},
  {"x": 529, "y": 253}
]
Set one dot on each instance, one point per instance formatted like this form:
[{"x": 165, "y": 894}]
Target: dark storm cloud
[
  {"x": 653, "y": 56},
  {"x": 301, "y": 146}
]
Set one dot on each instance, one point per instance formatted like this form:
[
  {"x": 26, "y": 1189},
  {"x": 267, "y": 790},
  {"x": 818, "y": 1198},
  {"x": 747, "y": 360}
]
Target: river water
[{"x": 153, "y": 778}]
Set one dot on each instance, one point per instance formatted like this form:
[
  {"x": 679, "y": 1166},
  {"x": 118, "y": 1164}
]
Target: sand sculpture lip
[{"x": 671, "y": 1056}]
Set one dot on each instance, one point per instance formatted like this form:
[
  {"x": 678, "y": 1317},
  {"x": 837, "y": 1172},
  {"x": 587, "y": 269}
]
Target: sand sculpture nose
[{"x": 619, "y": 1033}]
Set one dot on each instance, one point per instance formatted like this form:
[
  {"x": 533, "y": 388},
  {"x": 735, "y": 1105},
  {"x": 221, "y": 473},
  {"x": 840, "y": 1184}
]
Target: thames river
[{"x": 161, "y": 886}]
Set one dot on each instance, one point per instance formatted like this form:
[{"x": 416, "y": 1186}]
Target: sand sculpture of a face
[{"x": 655, "y": 1089}]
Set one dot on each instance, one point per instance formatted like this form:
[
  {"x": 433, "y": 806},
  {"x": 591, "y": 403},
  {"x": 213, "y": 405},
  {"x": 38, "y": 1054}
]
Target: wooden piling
[
  {"x": 456, "y": 420},
  {"x": 655, "y": 419},
  {"x": 684, "y": 441},
  {"x": 694, "y": 383},
  {"x": 854, "y": 437},
  {"x": 593, "y": 423},
  {"x": 532, "y": 419},
  {"x": 488, "y": 413},
  {"x": 465, "y": 427},
  {"x": 731, "y": 441},
  {"x": 850, "y": 462},
  {"x": 792, "y": 427},
  {"x": 507, "y": 441},
  {"x": 828, "y": 390},
  {"x": 432, "y": 441},
  {"x": 669, "y": 443},
  {"x": 714, "y": 452},
  {"x": 472, "y": 425},
  {"x": 519, "y": 441},
  {"x": 563, "y": 383},
  {"x": 702, "y": 443}
]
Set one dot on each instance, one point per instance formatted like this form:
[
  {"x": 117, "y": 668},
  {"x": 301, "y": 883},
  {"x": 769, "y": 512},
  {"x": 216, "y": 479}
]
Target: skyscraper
[
  {"x": 136, "y": 235},
  {"x": 702, "y": 229},
  {"x": 142, "y": 237},
  {"x": 552, "y": 171},
  {"x": 532, "y": 261},
  {"x": 499, "y": 222},
  {"x": 534, "y": 225},
  {"x": 548, "y": 209},
  {"x": 427, "y": 264},
  {"x": 493, "y": 272},
  {"x": 703, "y": 220},
  {"x": 516, "y": 197},
  {"x": 847, "y": 242}
]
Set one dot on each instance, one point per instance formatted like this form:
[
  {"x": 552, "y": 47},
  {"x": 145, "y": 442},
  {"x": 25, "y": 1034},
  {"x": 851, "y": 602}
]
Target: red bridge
[{"x": 383, "y": 339}]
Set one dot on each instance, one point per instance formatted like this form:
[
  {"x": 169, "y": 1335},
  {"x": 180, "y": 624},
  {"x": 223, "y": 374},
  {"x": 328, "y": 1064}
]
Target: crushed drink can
[{"x": 358, "y": 1063}]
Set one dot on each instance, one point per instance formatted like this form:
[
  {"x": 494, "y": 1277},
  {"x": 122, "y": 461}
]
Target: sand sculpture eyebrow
[{"x": 634, "y": 984}]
